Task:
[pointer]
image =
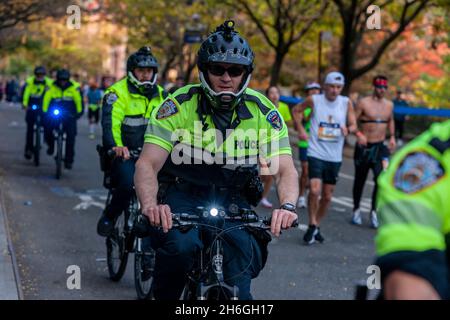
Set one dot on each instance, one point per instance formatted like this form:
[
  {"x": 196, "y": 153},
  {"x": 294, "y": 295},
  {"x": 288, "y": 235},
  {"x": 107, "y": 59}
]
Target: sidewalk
[{"x": 8, "y": 287}]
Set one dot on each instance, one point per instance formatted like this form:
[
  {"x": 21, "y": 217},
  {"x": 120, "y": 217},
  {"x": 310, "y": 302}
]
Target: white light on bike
[
  {"x": 56, "y": 112},
  {"x": 213, "y": 212},
  {"x": 34, "y": 107}
]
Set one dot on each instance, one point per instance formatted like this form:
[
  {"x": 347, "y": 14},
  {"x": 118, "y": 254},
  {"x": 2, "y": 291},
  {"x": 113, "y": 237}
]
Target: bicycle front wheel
[
  {"x": 144, "y": 265},
  {"x": 189, "y": 292},
  {"x": 59, "y": 147},
  {"x": 116, "y": 253},
  {"x": 37, "y": 146}
]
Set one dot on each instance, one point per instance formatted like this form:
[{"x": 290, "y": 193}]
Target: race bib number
[{"x": 329, "y": 132}]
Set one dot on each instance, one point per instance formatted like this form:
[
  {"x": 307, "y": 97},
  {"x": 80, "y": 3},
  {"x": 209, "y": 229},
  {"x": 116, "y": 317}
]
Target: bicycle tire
[
  {"x": 143, "y": 287},
  {"x": 59, "y": 146},
  {"x": 218, "y": 293},
  {"x": 189, "y": 291},
  {"x": 116, "y": 253},
  {"x": 37, "y": 146}
]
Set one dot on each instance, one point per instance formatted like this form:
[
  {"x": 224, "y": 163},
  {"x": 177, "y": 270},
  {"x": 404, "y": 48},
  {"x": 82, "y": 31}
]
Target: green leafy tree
[
  {"x": 162, "y": 25},
  {"x": 13, "y": 12},
  {"x": 434, "y": 92},
  {"x": 354, "y": 16},
  {"x": 282, "y": 23}
]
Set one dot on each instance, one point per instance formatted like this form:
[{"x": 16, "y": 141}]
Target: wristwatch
[{"x": 288, "y": 206}]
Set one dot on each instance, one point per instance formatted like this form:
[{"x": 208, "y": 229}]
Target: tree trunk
[
  {"x": 276, "y": 68},
  {"x": 166, "y": 68},
  {"x": 347, "y": 56},
  {"x": 192, "y": 62}
]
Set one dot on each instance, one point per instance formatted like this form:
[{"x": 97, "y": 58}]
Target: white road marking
[
  {"x": 86, "y": 202},
  {"x": 365, "y": 203},
  {"x": 364, "y": 208},
  {"x": 349, "y": 177},
  {"x": 13, "y": 124}
]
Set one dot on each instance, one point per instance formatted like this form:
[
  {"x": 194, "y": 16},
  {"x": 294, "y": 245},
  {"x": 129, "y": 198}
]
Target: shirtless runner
[{"x": 375, "y": 114}]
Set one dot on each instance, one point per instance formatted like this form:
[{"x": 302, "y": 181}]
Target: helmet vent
[{"x": 227, "y": 46}]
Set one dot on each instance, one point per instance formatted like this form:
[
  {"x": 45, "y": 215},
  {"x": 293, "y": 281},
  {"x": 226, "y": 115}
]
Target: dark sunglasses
[
  {"x": 218, "y": 70},
  {"x": 381, "y": 87}
]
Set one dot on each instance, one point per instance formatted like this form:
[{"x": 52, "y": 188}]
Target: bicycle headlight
[
  {"x": 34, "y": 107},
  {"x": 213, "y": 212},
  {"x": 56, "y": 112}
]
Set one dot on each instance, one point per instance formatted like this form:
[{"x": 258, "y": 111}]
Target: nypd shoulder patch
[
  {"x": 273, "y": 117},
  {"x": 168, "y": 108},
  {"x": 417, "y": 171},
  {"x": 111, "y": 98}
]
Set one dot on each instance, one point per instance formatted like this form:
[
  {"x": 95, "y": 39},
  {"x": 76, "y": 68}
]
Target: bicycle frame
[
  {"x": 125, "y": 241},
  {"x": 56, "y": 120},
  {"x": 207, "y": 276},
  {"x": 130, "y": 215},
  {"x": 213, "y": 272}
]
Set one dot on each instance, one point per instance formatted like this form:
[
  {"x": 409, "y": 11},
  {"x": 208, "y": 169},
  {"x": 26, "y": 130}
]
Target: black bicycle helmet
[
  {"x": 40, "y": 70},
  {"x": 63, "y": 74},
  {"x": 224, "y": 45},
  {"x": 143, "y": 58}
]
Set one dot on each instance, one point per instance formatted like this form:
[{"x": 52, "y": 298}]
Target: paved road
[{"x": 53, "y": 227}]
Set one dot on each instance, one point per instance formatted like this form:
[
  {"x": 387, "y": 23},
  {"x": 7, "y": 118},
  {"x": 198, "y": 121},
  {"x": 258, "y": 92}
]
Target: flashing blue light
[
  {"x": 56, "y": 112},
  {"x": 34, "y": 107}
]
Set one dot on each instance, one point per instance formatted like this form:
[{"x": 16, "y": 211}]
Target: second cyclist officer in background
[{"x": 126, "y": 109}]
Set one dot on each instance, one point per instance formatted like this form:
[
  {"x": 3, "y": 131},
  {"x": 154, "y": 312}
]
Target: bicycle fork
[{"x": 217, "y": 277}]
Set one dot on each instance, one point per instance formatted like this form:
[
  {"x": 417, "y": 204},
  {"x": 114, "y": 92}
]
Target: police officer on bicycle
[
  {"x": 33, "y": 93},
  {"x": 201, "y": 145},
  {"x": 67, "y": 97},
  {"x": 127, "y": 105}
]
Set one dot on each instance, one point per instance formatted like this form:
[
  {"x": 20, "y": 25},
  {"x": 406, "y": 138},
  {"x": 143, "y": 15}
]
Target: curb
[{"x": 9, "y": 276}]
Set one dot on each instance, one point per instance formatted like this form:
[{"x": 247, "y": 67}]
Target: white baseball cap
[
  {"x": 312, "y": 85},
  {"x": 335, "y": 78}
]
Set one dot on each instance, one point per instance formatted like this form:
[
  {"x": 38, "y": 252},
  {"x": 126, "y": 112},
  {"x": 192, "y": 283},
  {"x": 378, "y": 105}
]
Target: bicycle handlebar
[
  {"x": 134, "y": 153},
  {"x": 110, "y": 153},
  {"x": 249, "y": 219},
  {"x": 186, "y": 219}
]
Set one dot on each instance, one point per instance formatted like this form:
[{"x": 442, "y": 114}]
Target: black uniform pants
[
  {"x": 31, "y": 117},
  {"x": 70, "y": 129},
  {"x": 122, "y": 175}
]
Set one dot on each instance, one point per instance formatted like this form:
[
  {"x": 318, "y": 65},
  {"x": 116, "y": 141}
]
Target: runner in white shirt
[{"x": 332, "y": 118}]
